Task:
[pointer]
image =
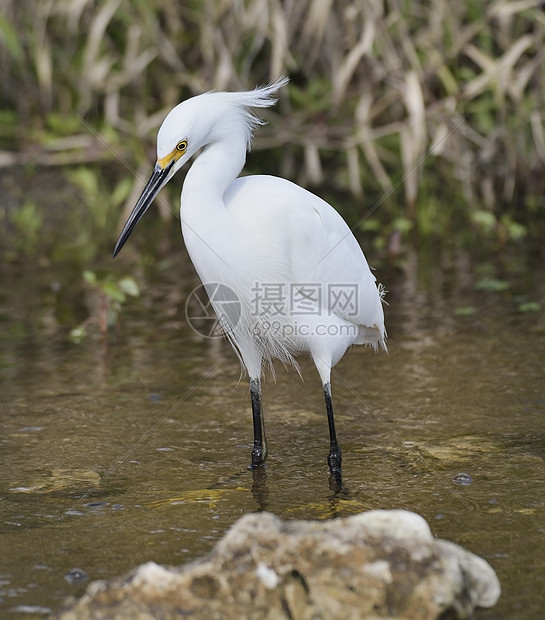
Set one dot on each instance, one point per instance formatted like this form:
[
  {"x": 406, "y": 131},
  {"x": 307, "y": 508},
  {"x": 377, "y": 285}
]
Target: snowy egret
[{"x": 300, "y": 277}]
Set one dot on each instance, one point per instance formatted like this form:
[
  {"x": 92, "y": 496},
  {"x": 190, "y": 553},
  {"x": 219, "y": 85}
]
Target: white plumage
[{"x": 301, "y": 278}]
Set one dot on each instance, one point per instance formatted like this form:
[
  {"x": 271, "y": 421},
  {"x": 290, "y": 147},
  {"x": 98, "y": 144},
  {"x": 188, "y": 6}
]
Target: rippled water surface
[{"x": 136, "y": 448}]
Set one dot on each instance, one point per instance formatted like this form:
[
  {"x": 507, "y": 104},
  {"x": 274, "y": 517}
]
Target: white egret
[{"x": 300, "y": 277}]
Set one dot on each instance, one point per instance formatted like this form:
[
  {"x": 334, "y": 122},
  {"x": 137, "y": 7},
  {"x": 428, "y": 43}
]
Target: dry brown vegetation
[{"x": 442, "y": 99}]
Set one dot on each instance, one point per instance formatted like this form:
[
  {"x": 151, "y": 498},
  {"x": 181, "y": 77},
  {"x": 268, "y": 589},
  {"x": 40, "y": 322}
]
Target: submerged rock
[
  {"x": 376, "y": 564},
  {"x": 59, "y": 481}
]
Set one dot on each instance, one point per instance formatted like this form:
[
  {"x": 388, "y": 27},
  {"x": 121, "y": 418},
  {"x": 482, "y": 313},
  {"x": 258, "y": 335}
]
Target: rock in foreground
[{"x": 377, "y": 564}]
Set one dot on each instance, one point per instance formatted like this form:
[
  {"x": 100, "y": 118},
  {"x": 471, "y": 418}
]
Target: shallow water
[{"x": 136, "y": 448}]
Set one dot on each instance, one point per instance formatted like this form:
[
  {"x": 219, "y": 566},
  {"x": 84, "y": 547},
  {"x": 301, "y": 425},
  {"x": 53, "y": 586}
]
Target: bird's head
[
  {"x": 192, "y": 125},
  {"x": 179, "y": 137},
  {"x": 187, "y": 127}
]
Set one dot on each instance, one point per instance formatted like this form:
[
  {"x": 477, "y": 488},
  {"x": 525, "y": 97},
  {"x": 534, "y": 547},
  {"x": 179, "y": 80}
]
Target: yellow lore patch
[{"x": 174, "y": 155}]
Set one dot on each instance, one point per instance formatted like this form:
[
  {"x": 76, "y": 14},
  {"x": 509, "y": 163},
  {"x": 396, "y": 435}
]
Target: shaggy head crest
[{"x": 214, "y": 115}]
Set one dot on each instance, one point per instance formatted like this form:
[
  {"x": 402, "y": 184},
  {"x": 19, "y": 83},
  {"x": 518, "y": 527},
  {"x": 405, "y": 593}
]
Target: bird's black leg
[
  {"x": 334, "y": 459},
  {"x": 259, "y": 452}
]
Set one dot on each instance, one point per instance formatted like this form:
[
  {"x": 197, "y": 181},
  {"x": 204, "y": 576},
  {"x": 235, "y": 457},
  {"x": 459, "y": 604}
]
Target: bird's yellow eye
[{"x": 182, "y": 145}]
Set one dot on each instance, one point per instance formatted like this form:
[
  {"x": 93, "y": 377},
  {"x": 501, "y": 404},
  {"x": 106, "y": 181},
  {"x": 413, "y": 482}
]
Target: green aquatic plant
[
  {"x": 27, "y": 222},
  {"x": 101, "y": 204},
  {"x": 112, "y": 295},
  {"x": 492, "y": 284}
]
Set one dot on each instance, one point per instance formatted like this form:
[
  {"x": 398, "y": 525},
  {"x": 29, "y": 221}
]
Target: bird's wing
[{"x": 294, "y": 236}]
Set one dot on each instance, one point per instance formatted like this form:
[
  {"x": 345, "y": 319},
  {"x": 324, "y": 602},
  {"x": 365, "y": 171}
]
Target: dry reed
[{"x": 446, "y": 98}]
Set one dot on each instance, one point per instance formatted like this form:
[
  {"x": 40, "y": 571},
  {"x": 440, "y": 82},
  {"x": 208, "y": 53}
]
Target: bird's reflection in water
[
  {"x": 260, "y": 488},
  {"x": 336, "y": 481}
]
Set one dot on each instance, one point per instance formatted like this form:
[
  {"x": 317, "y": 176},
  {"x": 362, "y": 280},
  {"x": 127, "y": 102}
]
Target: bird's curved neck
[{"x": 217, "y": 166}]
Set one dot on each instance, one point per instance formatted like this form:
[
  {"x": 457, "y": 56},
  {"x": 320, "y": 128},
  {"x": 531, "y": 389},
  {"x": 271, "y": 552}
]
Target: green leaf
[
  {"x": 112, "y": 291},
  {"x": 84, "y": 178},
  {"x": 484, "y": 219},
  {"x": 129, "y": 286},
  {"x": 514, "y": 230},
  {"x": 63, "y": 124},
  {"x": 530, "y": 306},
  {"x": 467, "y": 311},
  {"x": 370, "y": 224},
  {"x": 121, "y": 192},
  {"x": 492, "y": 284},
  {"x": 77, "y": 334},
  {"x": 90, "y": 277},
  {"x": 448, "y": 80},
  {"x": 10, "y": 39},
  {"x": 403, "y": 224}
]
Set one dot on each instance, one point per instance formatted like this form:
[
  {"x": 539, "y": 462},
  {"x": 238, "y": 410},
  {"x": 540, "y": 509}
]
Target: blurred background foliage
[{"x": 413, "y": 118}]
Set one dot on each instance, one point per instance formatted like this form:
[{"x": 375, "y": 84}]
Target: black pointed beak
[{"x": 158, "y": 179}]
